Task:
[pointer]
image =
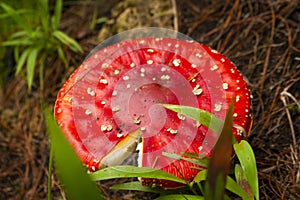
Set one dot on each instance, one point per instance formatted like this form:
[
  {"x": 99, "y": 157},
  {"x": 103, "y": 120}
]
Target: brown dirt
[{"x": 261, "y": 37}]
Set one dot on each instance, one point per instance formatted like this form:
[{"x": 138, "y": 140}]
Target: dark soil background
[{"x": 261, "y": 37}]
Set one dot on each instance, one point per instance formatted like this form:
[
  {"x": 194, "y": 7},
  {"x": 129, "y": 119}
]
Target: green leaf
[
  {"x": 180, "y": 197},
  {"x": 57, "y": 14},
  {"x": 44, "y": 15},
  {"x": 235, "y": 188},
  {"x": 50, "y": 172},
  {"x": 246, "y": 157},
  {"x": 137, "y": 186},
  {"x": 31, "y": 60},
  {"x": 201, "y": 176},
  {"x": 133, "y": 172},
  {"x": 202, "y": 116},
  {"x": 19, "y": 11},
  {"x": 220, "y": 160},
  {"x": 201, "y": 162},
  {"x": 16, "y": 17},
  {"x": 72, "y": 174},
  {"x": 101, "y": 20},
  {"x": 242, "y": 180},
  {"x": 21, "y": 61},
  {"x": 18, "y": 42},
  {"x": 62, "y": 56},
  {"x": 16, "y": 53},
  {"x": 43, "y": 5},
  {"x": 41, "y": 70},
  {"x": 65, "y": 39},
  {"x": 18, "y": 34},
  {"x": 231, "y": 185}
]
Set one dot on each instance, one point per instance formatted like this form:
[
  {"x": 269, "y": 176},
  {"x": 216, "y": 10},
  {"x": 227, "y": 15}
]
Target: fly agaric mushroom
[{"x": 112, "y": 103}]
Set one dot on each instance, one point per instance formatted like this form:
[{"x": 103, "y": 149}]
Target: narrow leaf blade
[
  {"x": 17, "y": 42},
  {"x": 31, "y": 60},
  {"x": 57, "y": 14},
  {"x": 69, "y": 168},
  {"x": 235, "y": 188},
  {"x": 246, "y": 157},
  {"x": 201, "y": 176},
  {"x": 180, "y": 197},
  {"x": 16, "y": 17},
  {"x": 220, "y": 161},
  {"x": 65, "y": 39},
  {"x": 21, "y": 61},
  {"x": 201, "y": 162},
  {"x": 136, "y": 186},
  {"x": 133, "y": 172},
  {"x": 62, "y": 56},
  {"x": 207, "y": 119}
]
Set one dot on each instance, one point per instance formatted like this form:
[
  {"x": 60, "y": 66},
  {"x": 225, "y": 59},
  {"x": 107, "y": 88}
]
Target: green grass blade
[
  {"x": 231, "y": 185},
  {"x": 201, "y": 176},
  {"x": 136, "y": 186},
  {"x": 18, "y": 34},
  {"x": 31, "y": 60},
  {"x": 202, "y": 116},
  {"x": 201, "y": 162},
  {"x": 57, "y": 14},
  {"x": 43, "y": 10},
  {"x": 180, "y": 197},
  {"x": 17, "y": 42},
  {"x": 241, "y": 179},
  {"x": 17, "y": 53},
  {"x": 72, "y": 174},
  {"x": 19, "y": 11},
  {"x": 16, "y": 17},
  {"x": 21, "y": 61},
  {"x": 246, "y": 157},
  {"x": 45, "y": 24},
  {"x": 50, "y": 167},
  {"x": 101, "y": 20},
  {"x": 220, "y": 161},
  {"x": 62, "y": 56},
  {"x": 65, "y": 39},
  {"x": 235, "y": 188},
  {"x": 133, "y": 172},
  {"x": 44, "y": 6}
]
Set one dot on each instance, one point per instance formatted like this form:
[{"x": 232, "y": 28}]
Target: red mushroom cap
[{"x": 113, "y": 101}]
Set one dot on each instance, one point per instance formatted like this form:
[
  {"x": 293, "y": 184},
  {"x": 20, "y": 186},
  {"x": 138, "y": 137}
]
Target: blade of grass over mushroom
[
  {"x": 201, "y": 162},
  {"x": 136, "y": 186},
  {"x": 201, "y": 176},
  {"x": 246, "y": 157},
  {"x": 133, "y": 172},
  {"x": 207, "y": 119},
  {"x": 180, "y": 197},
  {"x": 69, "y": 168},
  {"x": 220, "y": 161}
]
